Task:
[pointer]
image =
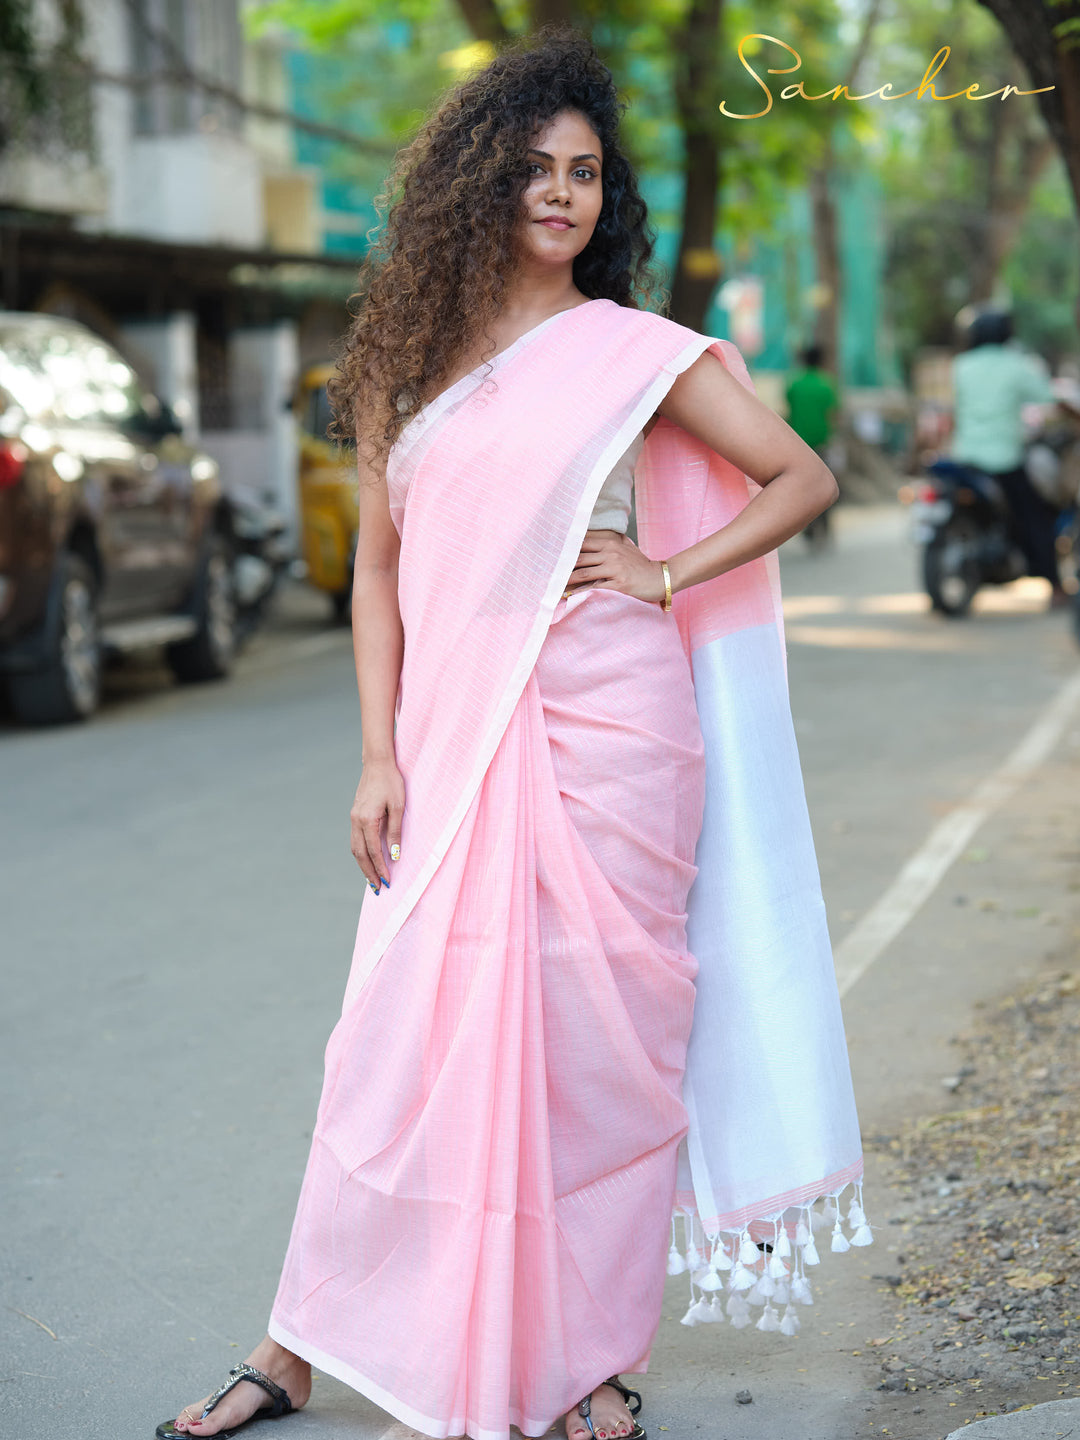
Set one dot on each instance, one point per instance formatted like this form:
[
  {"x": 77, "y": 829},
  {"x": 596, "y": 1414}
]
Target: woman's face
[{"x": 564, "y": 184}]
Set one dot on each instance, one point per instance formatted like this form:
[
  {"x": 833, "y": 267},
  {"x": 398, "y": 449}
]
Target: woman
[{"x": 481, "y": 1235}]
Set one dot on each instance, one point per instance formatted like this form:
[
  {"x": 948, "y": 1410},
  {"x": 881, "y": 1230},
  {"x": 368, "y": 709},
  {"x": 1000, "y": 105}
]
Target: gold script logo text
[{"x": 884, "y": 92}]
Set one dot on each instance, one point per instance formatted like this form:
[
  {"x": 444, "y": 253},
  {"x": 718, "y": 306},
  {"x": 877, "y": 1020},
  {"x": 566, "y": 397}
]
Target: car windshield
[
  {"x": 67, "y": 376},
  {"x": 22, "y": 378}
]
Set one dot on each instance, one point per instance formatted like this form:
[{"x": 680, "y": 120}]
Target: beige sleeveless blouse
[{"x": 612, "y": 508}]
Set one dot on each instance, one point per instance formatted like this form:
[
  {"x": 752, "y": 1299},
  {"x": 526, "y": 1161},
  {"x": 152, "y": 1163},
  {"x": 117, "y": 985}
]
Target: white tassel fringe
[{"x": 773, "y": 1279}]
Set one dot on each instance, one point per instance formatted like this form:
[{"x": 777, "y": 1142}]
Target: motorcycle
[
  {"x": 260, "y": 557},
  {"x": 1053, "y": 467},
  {"x": 961, "y": 518}
]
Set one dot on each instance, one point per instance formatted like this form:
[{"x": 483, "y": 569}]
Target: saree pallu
[{"x": 601, "y": 983}]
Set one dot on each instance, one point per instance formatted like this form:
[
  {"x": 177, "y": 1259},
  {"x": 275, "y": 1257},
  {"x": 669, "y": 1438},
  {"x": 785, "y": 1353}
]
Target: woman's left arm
[{"x": 711, "y": 404}]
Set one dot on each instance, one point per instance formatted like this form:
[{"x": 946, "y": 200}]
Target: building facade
[{"x": 157, "y": 196}]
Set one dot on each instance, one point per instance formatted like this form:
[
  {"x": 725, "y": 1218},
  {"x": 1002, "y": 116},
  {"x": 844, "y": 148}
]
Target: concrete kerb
[{"x": 1052, "y": 1421}]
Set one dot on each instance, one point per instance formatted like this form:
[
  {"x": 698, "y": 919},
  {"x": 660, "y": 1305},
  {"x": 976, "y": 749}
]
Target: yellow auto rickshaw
[{"x": 327, "y": 480}]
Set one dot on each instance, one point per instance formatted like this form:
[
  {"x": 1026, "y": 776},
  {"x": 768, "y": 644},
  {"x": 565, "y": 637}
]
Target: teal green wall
[{"x": 785, "y": 264}]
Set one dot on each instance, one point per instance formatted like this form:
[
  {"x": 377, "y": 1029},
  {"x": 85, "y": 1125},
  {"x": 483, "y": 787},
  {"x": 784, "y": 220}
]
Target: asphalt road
[{"x": 178, "y": 907}]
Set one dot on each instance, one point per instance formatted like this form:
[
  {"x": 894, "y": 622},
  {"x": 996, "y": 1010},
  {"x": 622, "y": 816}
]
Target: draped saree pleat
[
  {"x": 487, "y": 1236},
  {"x": 483, "y": 1223}
]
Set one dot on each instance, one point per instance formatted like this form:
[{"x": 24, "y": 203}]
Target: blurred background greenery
[
  {"x": 196, "y": 179},
  {"x": 870, "y": 222}
]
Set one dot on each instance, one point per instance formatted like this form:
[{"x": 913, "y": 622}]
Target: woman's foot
[
  {"x": 609, "y": 1413},
  {"x": 282, "y": 1366}
]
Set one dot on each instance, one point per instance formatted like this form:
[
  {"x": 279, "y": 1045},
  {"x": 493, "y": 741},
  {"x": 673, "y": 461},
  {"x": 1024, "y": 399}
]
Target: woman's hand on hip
[
  {"x": 611, "y": 561},
  {"x": 380, "y": 797}
]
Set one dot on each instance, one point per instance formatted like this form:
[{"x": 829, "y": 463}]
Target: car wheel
[
  {"x": 68, "y": 686},
  {"x": 209, "y": 654}
]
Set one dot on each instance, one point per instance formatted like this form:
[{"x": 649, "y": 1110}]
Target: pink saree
[{"x": 600, "y": 989}]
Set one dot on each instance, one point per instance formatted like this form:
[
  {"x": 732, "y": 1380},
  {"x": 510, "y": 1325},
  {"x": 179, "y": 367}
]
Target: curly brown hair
[{"x": 438, "y": 275}]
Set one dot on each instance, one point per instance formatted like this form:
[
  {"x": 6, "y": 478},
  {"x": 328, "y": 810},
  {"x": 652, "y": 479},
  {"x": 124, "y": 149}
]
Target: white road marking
[{"x": 922, "y": 874}]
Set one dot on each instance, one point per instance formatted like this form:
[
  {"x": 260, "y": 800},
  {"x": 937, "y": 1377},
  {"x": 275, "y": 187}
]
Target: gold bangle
[{"x": 666, "y": 602}]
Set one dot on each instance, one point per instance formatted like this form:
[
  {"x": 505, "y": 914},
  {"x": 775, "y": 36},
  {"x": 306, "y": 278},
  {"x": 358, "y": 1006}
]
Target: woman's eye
[{"x": 582, "y": 170}]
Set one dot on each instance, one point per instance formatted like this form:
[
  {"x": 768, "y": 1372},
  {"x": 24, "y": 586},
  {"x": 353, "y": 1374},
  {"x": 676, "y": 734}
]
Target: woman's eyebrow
[{"x": 573, "y": 158}]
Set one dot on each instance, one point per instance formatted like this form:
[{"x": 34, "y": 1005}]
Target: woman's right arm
[{"x": 378, "y": 647}]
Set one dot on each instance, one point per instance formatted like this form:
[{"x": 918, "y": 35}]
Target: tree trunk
[
  {"x": 546, "y": 12},
  {"x": 697, "y": 267},
  {"x": 484, "y": 21},
  {"x": 823, "y": 217},
  {"x": 827, "y": 258},
  {"x": 1006, "y": 206},
  {"x": 1050, "y": 62}
]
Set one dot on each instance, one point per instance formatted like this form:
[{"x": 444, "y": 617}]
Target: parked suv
[{"x": 113, "y": 533}]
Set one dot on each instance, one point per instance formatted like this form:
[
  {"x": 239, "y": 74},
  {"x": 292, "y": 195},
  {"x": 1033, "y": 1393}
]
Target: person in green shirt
[{"x": 812, "y": 401}]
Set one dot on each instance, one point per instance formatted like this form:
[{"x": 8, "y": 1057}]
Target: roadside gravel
[{"x": 986, "y": 1214}]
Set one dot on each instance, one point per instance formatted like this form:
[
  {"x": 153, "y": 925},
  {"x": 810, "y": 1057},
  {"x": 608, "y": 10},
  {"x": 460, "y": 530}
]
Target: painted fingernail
[
  {"x": 385, "y": 881},
  {"x": 372, "y": 885},
  {"x": 395, "y": 852}
]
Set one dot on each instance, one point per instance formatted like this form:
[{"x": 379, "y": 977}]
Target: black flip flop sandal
[
  {"x": 281, "y": 1406},
  {"x": 638, "y": 1433}
]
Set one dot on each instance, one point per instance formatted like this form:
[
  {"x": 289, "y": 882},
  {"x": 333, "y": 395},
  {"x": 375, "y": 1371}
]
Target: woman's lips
[{"x": 556, "y": 224}]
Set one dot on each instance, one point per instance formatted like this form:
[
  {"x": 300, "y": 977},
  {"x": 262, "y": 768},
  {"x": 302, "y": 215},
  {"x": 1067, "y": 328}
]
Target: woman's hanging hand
[
  {"x": 611, "y": 561},
  {"x": 380, "y": 797}
]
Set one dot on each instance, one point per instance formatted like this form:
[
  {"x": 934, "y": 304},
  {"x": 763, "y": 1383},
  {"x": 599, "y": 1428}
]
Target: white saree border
[
  {"x": 772, "y": 1123},
  {"x": 372, "y": 942}
]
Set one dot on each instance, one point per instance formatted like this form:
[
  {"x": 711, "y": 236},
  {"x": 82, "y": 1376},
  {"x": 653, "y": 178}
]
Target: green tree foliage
[
  {"x": 23, "y": 89},
  {"x": 1045, "y": 35},
  {"x": 1042, "y": 274},
  {"x": 44, "y": 86},
  {"x": 960, "y": 178}
]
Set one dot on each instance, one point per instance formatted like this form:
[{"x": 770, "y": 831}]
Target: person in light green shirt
[{"x": 992, "y": 382}]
